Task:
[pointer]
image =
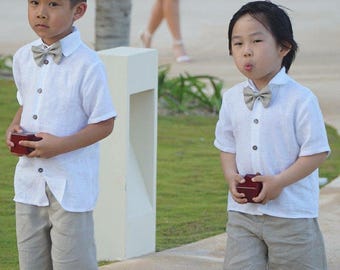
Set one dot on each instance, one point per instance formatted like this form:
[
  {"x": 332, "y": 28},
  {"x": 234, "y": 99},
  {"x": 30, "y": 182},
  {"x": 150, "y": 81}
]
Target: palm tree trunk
[{"x": 112, "y": 26}]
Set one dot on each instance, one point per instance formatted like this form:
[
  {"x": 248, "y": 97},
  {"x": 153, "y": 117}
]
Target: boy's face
[
  {"x": 255, "y": 51},
  {"x": 52, "y": 20}
]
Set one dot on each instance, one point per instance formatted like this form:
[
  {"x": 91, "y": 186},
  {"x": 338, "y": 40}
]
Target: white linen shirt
[
  {"x": 269, "y": 140},
  {"x": 61, "y": 100}
]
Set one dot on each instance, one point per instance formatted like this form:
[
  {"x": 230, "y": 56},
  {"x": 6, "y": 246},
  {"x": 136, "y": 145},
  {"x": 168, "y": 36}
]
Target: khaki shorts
[
  {"x": 51, "y": 238},
  {"x": 265, "y": 242}
]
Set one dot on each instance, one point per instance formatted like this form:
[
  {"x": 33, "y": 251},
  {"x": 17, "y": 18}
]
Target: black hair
[
  {"x": 276, "y": 20},
  {"x": 75, "y": 2}
]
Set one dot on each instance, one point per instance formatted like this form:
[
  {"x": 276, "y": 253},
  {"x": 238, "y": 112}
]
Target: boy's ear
[
  {"x": 285, "y": 49},
  {"x": 79, "y": 10}
]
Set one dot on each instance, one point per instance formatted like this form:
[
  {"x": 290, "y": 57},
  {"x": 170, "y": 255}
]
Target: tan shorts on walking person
[{"x": 168, "y": 10}]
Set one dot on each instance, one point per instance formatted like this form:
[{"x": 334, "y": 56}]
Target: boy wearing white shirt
[
  {"x": 273, "y": 126},
  {"x": 64, "y": 99}
]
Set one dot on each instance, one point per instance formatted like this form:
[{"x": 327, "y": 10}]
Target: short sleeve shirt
[
  {"x": 269, "y": 140},
  {"x": 61, "y": 99}
]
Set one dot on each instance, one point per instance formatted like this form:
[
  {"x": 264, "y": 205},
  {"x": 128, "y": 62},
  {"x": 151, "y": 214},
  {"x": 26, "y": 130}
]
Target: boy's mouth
[
  {"x": 41, "y": 26},
  {"x": 248, "y": 67}
]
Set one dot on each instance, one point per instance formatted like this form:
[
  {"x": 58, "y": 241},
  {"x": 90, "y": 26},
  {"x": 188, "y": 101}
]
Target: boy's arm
[
  {"x": 302, "y": 167},
  {"x": 51, "y": 145},
  {"x": 232, "y": 176},
  {"x": 14, "y": 127}
]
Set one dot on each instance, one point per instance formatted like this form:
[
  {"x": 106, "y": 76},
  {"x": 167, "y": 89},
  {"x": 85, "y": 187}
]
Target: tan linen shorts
[
  {"x": 272, "y": 243},
  {"x": 52, "y": 238}
]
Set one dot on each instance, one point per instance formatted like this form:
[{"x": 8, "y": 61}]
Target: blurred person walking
[{"x": 168, "y": 10}]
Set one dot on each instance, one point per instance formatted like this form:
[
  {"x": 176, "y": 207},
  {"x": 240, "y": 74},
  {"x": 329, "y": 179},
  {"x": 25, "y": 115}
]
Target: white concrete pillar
[{"x": 125, "y": 216}]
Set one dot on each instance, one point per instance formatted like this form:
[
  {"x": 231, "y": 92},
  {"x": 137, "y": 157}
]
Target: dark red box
[
  {"x": 249, "y": 188},
  {"x": 17, "y": 137}
]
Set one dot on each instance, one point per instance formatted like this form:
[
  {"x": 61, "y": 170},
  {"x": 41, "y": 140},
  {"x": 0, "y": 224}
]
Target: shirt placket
[
  {"x": 39, "y": 92},
  {"x": 255, "y": 135}
]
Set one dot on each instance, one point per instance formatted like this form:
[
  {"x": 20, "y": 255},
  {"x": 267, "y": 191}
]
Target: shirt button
[
  {"x": 35, "y": 117},
  {"x": 254, "y": 147},
  {"x": 39, "y": 91},
  {"x": 40, "y": 170},
  {"x": 46, "y": 62},
  {"x": 256, "y": 121}
]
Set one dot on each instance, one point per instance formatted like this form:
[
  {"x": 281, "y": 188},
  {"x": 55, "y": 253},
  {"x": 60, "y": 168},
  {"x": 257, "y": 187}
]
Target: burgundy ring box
[
  {"x": 249, "y": 188},
  {"x": 19, "y": 149}
]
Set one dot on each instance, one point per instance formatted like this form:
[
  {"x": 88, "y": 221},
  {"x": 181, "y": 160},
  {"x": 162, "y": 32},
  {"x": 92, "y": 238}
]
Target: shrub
[{"x": 188, "y": 94}]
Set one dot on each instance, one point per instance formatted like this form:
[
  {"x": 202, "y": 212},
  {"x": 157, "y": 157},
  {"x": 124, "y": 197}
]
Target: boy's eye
[
  {"x": 36, "y": 3},
  {"x": 257, "y": 41},
  {"x": 237, "y": 43},
  {"x": 53, "y": 4}
]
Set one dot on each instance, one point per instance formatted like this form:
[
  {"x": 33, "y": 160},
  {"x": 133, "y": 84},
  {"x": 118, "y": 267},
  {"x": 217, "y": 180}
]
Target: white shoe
[{"x": 179, "y": 52}]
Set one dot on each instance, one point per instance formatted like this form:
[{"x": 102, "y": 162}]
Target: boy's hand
[
  {"x": 233, "y": 182},
  {"x": 271, "y": 188},
  {"x": 47, "y": 147},
  {"x": 50, "y": 145},
  {"x": 10, "y": 130}
]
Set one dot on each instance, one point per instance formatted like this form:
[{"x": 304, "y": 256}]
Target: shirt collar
[
  {"x": 280, "y": 78},
  {"x": 71, "y": 42},
  {"x": 68, "y": 44}
]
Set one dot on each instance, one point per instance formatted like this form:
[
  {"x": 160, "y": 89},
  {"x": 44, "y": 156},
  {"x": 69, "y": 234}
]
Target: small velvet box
[
  {"x": 249, "y": 188},
  {"x": 19, "y": 149}
]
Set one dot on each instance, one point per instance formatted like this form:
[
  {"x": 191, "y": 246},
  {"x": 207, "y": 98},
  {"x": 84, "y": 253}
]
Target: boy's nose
[
  {"x": 41, "y": 16},
  {"x": 41, "y": 13},
  {"x": 247, "y": 51}
]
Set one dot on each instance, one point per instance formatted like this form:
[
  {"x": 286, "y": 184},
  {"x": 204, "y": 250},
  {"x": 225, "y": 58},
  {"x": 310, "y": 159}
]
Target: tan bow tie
[
  {"x": 250, "y": 96},
  {"x": 40, "y": 53}
]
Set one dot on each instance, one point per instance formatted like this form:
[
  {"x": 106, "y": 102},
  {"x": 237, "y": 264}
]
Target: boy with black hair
[
  {"x": 271, "y": 126},
  {"x": 64, "y": 99}
]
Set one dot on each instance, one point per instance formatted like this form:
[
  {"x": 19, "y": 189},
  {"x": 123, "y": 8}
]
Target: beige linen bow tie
[
  {"x": 40, "y": 53},
  {"x": 250, "y": 96}
]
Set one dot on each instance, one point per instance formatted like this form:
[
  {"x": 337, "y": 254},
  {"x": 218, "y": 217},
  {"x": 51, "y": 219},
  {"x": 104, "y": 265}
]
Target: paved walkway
[{"x": 204, "y": 25}]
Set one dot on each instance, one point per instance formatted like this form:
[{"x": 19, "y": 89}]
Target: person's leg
[
  {"x": 294, "y": 244},
  {"x": 155, "y": 20},
  {"x": 72, "y": 234},
  {"x": 245, "y": 247},
  {"x": 172, "y": 17},
  {"x": 33, "y": 237}
]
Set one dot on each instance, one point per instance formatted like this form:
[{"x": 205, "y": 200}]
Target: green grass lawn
[
  {"x": 8, "y": 254},
  {"x": 191, "y": 193}
]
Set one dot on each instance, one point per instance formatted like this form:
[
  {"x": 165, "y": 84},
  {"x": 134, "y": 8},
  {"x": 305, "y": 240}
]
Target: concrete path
[{"x": 204, "y": 26}]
